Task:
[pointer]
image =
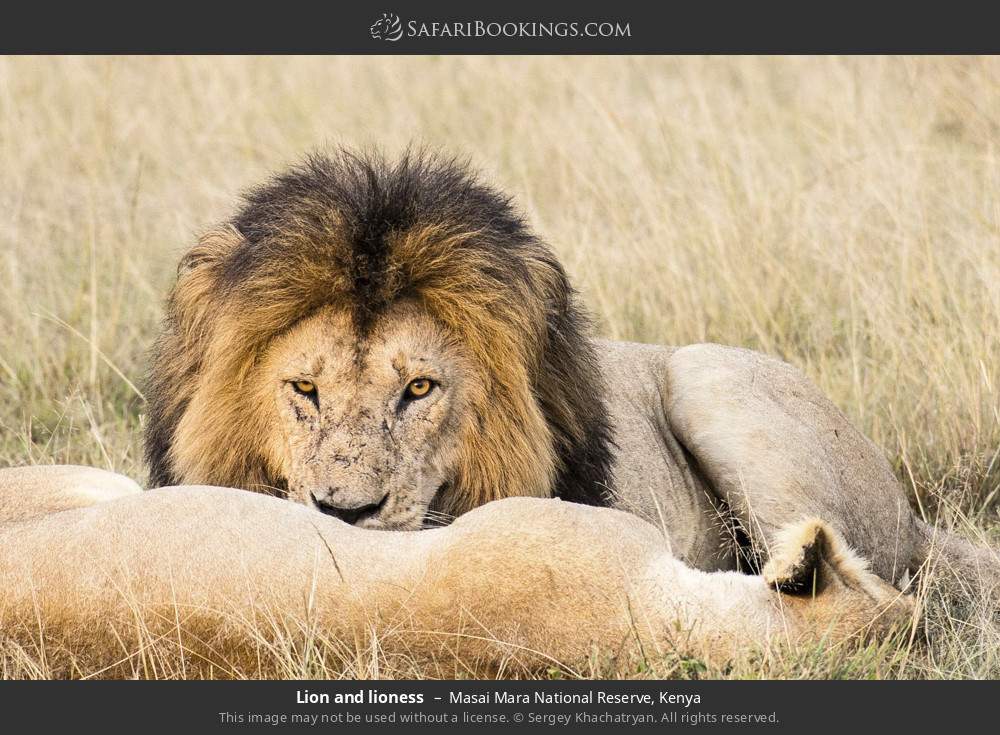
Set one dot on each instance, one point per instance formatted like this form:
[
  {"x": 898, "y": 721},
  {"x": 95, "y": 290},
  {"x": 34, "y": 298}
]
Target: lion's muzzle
[{"x": 349, "y": 513}]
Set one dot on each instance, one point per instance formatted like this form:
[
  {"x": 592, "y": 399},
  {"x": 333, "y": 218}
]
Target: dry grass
[{"x": 841, "y": 213}]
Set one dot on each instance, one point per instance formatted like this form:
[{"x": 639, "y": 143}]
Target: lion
[
  {"x": 391, "y": 344},
  {"x": 101, "y": 571}
]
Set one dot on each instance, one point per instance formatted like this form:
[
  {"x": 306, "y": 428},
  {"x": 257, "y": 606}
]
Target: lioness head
[{"x": 382, "y": 342}]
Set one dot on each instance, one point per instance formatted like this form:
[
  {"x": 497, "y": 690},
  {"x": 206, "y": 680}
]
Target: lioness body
[{"x": 224, "y": 574}]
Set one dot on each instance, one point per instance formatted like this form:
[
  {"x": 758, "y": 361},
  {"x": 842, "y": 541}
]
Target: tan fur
[
  {"x": 29, "y": 493},
  {"x": 223, "y": 571}
]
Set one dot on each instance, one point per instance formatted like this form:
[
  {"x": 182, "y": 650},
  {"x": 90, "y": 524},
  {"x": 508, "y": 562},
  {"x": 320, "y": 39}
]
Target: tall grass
[{"x": 843, "y": 214}]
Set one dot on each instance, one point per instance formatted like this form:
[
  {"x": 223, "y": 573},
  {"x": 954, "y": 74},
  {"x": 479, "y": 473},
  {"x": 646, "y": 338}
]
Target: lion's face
[{"x": 367, "y": 431}]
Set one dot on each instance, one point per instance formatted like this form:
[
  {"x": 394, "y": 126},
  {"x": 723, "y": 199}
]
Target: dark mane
[{"x": 362, "y": 232}]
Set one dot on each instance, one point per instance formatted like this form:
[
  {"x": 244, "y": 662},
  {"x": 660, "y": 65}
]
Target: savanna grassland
[{"x": 843, "y": 214}]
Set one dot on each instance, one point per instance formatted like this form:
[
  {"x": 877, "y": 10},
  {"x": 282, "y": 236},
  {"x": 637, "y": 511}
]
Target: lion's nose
[{"x": 348, "y": 514}]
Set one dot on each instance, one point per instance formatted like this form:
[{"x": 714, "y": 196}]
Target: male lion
[{"x": 391, "y": 345}]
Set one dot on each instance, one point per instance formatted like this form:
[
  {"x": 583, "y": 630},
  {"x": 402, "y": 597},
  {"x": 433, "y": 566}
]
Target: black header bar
[{"x": 514, "y": 27}]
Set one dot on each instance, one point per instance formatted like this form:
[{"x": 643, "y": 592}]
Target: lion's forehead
[{"x": 325, "y": 343}]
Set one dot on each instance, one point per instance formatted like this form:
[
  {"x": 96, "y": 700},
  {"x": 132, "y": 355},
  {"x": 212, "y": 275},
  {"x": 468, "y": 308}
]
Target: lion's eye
[
  {"x": 418, "y": 388},
  {"x": 305, "y": 387}
]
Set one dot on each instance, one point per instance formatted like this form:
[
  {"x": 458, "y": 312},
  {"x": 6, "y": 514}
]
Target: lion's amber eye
[
  {"x": 418, "y": 388},
  {"x": 305, "y": 387}
]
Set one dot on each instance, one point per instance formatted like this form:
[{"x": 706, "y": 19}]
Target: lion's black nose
[{"x": 350, "y": 515}]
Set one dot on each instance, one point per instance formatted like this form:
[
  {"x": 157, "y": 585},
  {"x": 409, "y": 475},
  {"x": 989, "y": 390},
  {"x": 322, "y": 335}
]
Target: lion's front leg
[
  {"x": 776, "y": 450},
  {"x": 37, "y": 490}
]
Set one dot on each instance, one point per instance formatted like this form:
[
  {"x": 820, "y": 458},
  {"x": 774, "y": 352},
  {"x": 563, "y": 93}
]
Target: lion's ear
[
  {"x": 193, "y": 299},
  {"x": 212, "y": 247}
]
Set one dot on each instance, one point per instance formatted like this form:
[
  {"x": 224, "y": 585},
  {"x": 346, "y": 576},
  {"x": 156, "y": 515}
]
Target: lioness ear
[
  {"x": 808, "y": 557},
  {"x": 212, "y": 247}
]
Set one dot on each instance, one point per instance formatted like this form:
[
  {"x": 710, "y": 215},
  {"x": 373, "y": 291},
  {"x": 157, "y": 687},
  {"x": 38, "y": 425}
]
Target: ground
[{"x": 843, "y": 214}]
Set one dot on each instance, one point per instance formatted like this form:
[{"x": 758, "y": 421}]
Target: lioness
[{"x": 94, "y": 572}]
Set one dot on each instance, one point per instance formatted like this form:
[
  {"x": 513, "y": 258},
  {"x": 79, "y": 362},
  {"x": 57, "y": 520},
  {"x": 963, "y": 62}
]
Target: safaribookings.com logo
[
  {"x": 387, "y": 28},
  {"x": 390, "y": 28}
]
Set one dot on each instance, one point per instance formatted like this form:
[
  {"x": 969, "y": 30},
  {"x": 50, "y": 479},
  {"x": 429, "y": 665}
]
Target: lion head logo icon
[{"x": 387, "y": 28}]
